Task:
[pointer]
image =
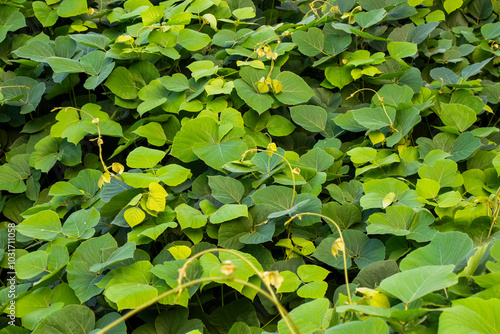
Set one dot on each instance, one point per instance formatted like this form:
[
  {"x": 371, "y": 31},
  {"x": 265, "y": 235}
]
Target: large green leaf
[
  {"x": 129, "y": 286},
  {"x": 401, "y": 49},
  {"x": 143, "y": 157},
  {"x": 471, "y": 315},
  {"x": 69, "y": 8},
  {"x": 295, "y": 89},
  {"x": 197, "y": 131},
  {"x": 217, "y": 155},
  {"x": 192, "y": 40},
  {"x": 458, "y": 116},
  {"x": 402, "y": 220},
  {"x": 412, "y": 284},
  {"x": 226, "y": 189},
  {"x": 444, "y": 172},
  {"x": 276, "y": 198},
  {"x": 44, "y": 225},
  {"x": 444, "y": 248},
  {"x": 375, "y": 118},
  {"x": 310, "y": 43},
  {"x": 309, "y": 317},
  {"x": 22, "y": 92},
  {"x": 71, "y": 319},
  {"x": 259, "y": 102},
  {"x": 311, "y": 118},
  {"x": 90, "y": 252},
  {"x": 121, "y": 82},
  {"x": 228, "y": 212}
]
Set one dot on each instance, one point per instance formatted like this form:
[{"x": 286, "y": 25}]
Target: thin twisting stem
[{"x": 299, "y": 215}]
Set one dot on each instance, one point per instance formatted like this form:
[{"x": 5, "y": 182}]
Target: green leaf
[
  {"x": 46, "y": 15},
  {"x": 120, "y": 254},
  {"x": 129, "y": 287},
  {"x": 176, "y": 83},
  {"x": 458, "y": 116},
  {"x": 309, "y": 317},
  {"x": 71, "y": 319},
  {"x": 362, "y": 155},
  {"x": 312, "y": 118},
  {"x": 444, "y": 75},
  {"x": 427, "y": 188},
  {"x": 80, "y": 223},
  {"x": 69, "y": 8},
  {"x": 339, "y": 76},
  {"x": 226, "y": 189},
  {"x": 173, "y": 175},
  {"x": 192, "y": 40},
  {"x": 134, "y": 216},
  {"x": 262, "y": 233},
  {"x": 196, "y": 131},
  {"x": 279, "y": 126},
  {"x": 228, "y": 212},
  {"x": 452, "y": 5},
  {"x": 402, "y": 220},
  {"x": 444, "y": 172},
  {"x": 276, "y": 198},
  {"x": 313, "y": 290},
  {"x": 217, "y": 155},
  {"x": 344, "y": 215},
  {"x": 31, "y": 264},
  {"x": 121, "y": 83},
  {"x": 367, "y": 19},
  {"x": 371, "y": 326},
  {"x": 295, "y": 89},
  {"x": 23, "y": 92},
  {"x": 189, "y": 217},
  {"x": 290, "y": 282},
  {"x": 90, "y": 252},
  {"x": 259, "y": 102},
  {"x": 203, "y": 68},
  {"x": 175, "y": 321},
  {"x": 64, "y": 65},
  {"x": 143, "y": 157},
  {"x": 375, "y": 118},
  {"x": 444, "y": 248},
  {"x": 471, "y": 315},
  {"x": 11, "y": 180},
  {"x": 310, "y": 273},
  {"x": 310, "y": 43},
  {"x": 93, "y": 40},
  {"x": 415, "y": 283},
  {"x": 154, "y": 133},
  {"x": 377, "y": 190},
  {"x": 490, "y": 30},
  {"x": 317, "y": 159},
  {"x": 43, "y": 225},
  {"x": 402, "y": 49},
  {"x": 335, "y": 44}
]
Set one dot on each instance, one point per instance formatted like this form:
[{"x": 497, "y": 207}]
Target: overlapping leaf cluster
[{"x": 138, "y": 133}]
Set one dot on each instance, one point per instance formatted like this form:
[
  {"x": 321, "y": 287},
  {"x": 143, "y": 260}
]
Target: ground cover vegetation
[{"x": 239, "y": 166}]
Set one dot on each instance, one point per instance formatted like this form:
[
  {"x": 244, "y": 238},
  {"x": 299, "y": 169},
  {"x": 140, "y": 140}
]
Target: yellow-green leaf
[
  {"x": 134, "y": 216},
  {"x": 156, "y": 200}
]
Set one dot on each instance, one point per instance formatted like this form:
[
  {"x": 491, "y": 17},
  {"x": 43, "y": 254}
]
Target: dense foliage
[{"x": 313, "y": 141}]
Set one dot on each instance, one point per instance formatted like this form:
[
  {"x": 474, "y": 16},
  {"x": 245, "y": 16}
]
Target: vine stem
[
  {"x": 95, "y": 121},
  {"x": 279, "y": 155},
  {"x": 381, "y": 99},
  {"x": 346, "y": 275}
]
